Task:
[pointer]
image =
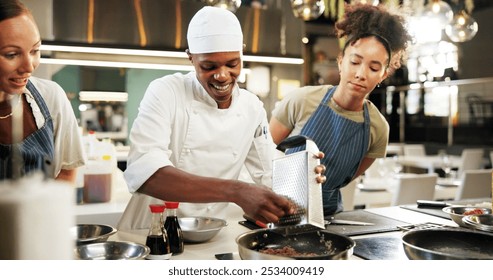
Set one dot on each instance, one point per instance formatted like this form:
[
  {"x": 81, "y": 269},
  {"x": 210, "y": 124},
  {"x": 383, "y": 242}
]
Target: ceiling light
[
  {"x": 139, "y": 54},
  {"x": 117, "y": 64},
  {"x": 439, "y": 11},
  {"x": 307, "y": 9},
  {"x": 108, "y": 96},
  {"x": 462, "y": 28}
]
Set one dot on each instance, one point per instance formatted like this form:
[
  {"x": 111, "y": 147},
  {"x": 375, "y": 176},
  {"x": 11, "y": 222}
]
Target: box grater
[{"x": 293, "y": 176}]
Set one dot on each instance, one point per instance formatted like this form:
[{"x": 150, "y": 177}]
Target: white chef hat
[{"x": 213, "y": 30}]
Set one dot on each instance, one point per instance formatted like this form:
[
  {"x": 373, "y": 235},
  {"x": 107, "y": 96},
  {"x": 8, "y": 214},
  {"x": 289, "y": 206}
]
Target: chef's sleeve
[{"x": 150, "y": 135}]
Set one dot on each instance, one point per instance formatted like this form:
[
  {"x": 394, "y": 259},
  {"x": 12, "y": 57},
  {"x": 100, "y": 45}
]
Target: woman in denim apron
[
  {"x": 344, "y": 124},
  {"x": 48, "y": 140}
]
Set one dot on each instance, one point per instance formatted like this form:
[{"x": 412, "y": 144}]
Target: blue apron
[
  {"x": 36, "y": 150},
  {"x": 344, "y": 143}
]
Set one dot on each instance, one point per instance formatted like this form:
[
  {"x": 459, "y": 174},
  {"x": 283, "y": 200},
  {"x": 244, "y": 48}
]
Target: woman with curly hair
[{"x": 346, "y": 126}]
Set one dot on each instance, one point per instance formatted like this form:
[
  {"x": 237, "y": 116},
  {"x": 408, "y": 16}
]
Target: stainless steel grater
[{"x": 294, "y": 177}]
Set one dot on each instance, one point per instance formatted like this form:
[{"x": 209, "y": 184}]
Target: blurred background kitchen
[{"x": 105, "y": 53}]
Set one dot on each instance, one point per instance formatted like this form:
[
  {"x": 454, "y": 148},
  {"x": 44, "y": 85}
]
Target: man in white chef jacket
[{"x": 195, "y": 132}]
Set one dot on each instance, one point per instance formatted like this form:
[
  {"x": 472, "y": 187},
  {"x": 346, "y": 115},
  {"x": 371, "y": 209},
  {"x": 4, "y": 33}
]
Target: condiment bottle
[
  {"x": 173, "y": 228},
  {"x": 157, "y": 239}
]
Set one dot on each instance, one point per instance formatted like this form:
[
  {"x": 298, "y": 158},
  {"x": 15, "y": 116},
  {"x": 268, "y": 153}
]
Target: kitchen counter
[
  {"x": 385, "y": 218},
  {"x": 224, "y": 242}
]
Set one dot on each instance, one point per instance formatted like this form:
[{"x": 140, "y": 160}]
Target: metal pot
[
  {"x": 318, "y": 244},
  {"x": 448, "y": 244}
]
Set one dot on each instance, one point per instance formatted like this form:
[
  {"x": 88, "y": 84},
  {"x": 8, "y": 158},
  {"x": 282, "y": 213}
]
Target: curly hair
[{"x": 363, "y": 20}]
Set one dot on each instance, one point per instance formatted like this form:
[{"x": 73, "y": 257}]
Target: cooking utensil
[
  {"x": 200, "y": 229},
  {"x": 347, "y": 222},
  {"x": 294, "y": 177},
  {"x": 319, "y": 244},
  {"x": 457, "y": 213},
  {"x": 432, "y": 203},
  {"x": 482, "y": 222},
  {"x": 256, "y": 222},
  {"x": 112, "y": 250},
  {"x": 224, "y": 256},
  {"x": 447, "y": 244},
  {"x": 92, "y": 233}
]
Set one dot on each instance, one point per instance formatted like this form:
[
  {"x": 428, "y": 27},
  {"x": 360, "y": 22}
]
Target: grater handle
[{"x": 296, "y": 141}]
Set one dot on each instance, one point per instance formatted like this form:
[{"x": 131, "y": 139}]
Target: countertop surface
[
  {"x": 389, "y": 219},
  {"x": 387, "y": 228}
]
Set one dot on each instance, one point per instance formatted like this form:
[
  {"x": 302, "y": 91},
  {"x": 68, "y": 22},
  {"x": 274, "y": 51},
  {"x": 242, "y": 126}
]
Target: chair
[
  {"x": 474, "y": 184},
  {"x": 347, "y": 193},
  {"x": 380, "y": 168},
  {"x": 480, "y": 111},
  {"x": 471, "y": 159},
  {"x": 414, "y": 150},
  {"x": 411, "y": 187}
]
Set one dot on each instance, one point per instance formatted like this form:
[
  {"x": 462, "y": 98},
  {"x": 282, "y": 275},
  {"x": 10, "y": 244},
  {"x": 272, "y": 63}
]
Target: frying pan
[
  {"x": 319, "y": 244},
  {"x": 448, "y": 244}
]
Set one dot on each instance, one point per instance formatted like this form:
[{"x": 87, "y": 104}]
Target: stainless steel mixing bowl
[
  {"x": 457, "y": 213},
  {"x": 92, "y": 233},
  {"x": 112, "y": 250},
  {"x": 200, "y": 229}
]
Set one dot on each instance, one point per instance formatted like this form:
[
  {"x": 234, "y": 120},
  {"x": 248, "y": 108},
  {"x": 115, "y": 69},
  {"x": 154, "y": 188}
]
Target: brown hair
[
  {"x": 12, "y": 8},
  {"x": 363, "y": 20}
]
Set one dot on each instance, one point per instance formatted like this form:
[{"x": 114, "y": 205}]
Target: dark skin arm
[
  {"x": 365, "y": 164},
  {"x": 258, "y": 202}
]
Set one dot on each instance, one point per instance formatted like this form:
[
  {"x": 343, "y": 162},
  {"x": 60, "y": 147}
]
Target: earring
[{"x": 378, "y": 85}]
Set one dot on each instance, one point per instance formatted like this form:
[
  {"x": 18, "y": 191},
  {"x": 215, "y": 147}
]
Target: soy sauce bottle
[
  {"x": 157, "y": 239},
  {"x": 173, "y": 228}
]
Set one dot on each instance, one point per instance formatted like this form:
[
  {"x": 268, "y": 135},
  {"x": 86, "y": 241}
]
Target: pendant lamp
[
  {"x": 440, "y": 11},
  {"x": 307, "y": 9},
  {"x": 462, "y": 28}
]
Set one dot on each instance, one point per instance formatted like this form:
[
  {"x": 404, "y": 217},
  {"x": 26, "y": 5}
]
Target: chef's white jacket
[{"x": 180, "y": 125}]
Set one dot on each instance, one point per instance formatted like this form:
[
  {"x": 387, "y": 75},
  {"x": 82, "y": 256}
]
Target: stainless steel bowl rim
[
  {"x": 470, "y": 221},
  {"x": 450, "y": 209},
  {"x": 222, "y": 222},
  {"x": 456, "y": 213},
  {"x": 199, "y": 229},
  {"x": 112, "y": 230},
  {"x": 146, "y": 250}
]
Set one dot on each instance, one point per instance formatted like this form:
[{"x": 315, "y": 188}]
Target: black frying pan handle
[{"x": 291, "y": 142}]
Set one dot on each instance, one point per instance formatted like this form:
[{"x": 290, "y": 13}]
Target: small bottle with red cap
[
  {"x": 173, "y": 228},
  {"x": 157, "y": 239}
]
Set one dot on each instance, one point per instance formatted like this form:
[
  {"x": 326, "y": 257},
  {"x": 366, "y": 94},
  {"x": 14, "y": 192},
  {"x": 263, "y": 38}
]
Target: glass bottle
[
  {"x": 173, "y": 228},
  {"x": 157, "y": 239}
]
